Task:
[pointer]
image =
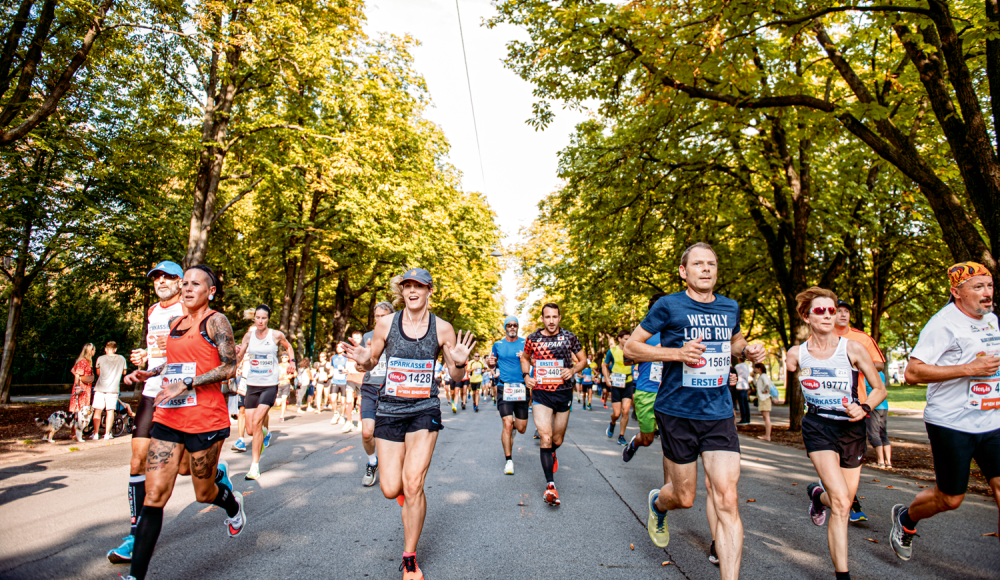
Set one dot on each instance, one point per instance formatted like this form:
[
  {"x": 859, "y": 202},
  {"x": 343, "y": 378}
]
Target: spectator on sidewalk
[
  {"x": 763, "y": 384},
  {"x": 110, "y": 369},
  {"x": 83, "y": 380},
  {"x": 878, "y": 436},
  {"x": 743, "y": 392}
]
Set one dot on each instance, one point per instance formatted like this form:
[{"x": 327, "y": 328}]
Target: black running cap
[
  {"x": 418, "y": 275},
  {"x": 843, "y": 304}
]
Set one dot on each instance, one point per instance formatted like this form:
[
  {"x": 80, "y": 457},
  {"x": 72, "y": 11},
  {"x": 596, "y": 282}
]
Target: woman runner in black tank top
[{"x": 409, "y": 412}]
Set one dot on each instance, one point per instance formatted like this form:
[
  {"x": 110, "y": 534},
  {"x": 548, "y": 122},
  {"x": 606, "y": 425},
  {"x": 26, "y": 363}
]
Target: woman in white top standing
[
  {"x": 260, "y": 345},
  {"x": 833, "y": 430},
  {"x": 763, "y": 384}
]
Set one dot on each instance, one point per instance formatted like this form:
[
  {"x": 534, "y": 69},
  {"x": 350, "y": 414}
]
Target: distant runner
[
  {"x": 619, "y": 379},
  {"x": 512, "y": 395}
]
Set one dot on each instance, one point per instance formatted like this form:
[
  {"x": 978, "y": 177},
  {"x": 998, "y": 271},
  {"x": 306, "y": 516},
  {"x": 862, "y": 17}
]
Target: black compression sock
[
  {"x": 556, "y": 447},
  {"x": 226, "y": 500},
  {"x": 508, "y": 457},
  {"x": 136, "y": 497},
  {"x": 904, "y": 518},
  {"x": 147, "y": 531},
  {"x": 547, "y": 463},
  {"x": 843, "y": 575}
]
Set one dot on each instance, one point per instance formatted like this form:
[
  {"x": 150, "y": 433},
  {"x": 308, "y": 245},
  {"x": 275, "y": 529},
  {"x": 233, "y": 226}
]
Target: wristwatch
[
  {"x": 866, "y": 407},
  {"x": 743, "y": 353},
  {"x": 188, "y": 382},
  {"x": 461, "y": 366}
]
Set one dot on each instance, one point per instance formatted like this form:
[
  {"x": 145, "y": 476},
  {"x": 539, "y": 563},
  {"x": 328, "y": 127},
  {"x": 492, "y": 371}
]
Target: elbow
[
  {"x": 911, "y": 376},
  {"x": 629, "y": 351}
]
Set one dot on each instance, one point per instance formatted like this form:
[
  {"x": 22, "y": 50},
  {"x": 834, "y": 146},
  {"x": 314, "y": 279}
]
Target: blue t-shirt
[
  {"x": 695, "y": 392},
  {"x": 588, "y": 376},
  {"x": 642, "y": 376},
  {"x": 884, "y": 404},
  {"x": 339, "y": 364},
  {"x": 508, "y": 362}
]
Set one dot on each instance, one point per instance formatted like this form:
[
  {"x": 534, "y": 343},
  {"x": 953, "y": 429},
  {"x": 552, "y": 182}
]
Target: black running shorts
[
  {"x": 683, "y": 440},
  {"x": 519, "y": 409},
  {"x": 143, "y": 417},
  {"x": 369, "y": 401},
  {"x": 475, "y": 386},
  {"x": 257, "y": 396},
  {"x": 846, "y": 438},
  {"x": 193, "y": 442},
  {"x": 954, "y": 451},
  {"x": 626, "y": 392},
  {"x": 395, "y": 428},
  {"x": 558, "y": 401}
]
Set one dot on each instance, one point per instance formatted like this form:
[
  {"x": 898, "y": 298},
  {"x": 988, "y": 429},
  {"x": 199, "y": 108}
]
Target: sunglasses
[
  {"x": 511, "y": 326},
  {"x": 820, "y": 310}
]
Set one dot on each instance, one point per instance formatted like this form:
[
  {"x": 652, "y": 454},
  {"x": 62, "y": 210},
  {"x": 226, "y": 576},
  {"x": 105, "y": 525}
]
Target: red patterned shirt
[{"x": 559, "y": 349}]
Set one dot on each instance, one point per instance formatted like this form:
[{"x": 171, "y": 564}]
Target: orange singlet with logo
[{"x": 191, "y": 353}]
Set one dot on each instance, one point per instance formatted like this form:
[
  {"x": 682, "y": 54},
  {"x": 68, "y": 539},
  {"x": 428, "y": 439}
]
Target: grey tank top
[
  {"x": 376, "y": 376},
  {"x": 398, "y": 345}
]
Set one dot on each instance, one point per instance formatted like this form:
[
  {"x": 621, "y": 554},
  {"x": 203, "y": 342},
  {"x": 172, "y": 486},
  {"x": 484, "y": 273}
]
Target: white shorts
[{"x": 106, "y": 401}]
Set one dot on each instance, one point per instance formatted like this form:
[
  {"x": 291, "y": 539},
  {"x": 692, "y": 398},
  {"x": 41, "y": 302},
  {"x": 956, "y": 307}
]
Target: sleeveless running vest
[
  {"x": 191, "y": 353},
  {"x": 828, "y": 385},
  {"x": 262, "y": 359},
  {"x": 620, "y": 367},
  {"x": 409, "y": 386}
]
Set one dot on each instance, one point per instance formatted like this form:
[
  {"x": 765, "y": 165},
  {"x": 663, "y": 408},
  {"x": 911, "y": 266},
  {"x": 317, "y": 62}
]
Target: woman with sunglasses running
[
  {"x": 409, "y": 412},
  {"x": 833, "y": 430}
]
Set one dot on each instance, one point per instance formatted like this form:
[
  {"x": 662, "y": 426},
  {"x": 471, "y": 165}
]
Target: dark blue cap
[
  {"x": 167, "y": 267},
  {"x": 418, "y": 275}
]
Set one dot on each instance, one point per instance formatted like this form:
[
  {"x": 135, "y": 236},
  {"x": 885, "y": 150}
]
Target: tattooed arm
[{"x": 221, "y": 333}]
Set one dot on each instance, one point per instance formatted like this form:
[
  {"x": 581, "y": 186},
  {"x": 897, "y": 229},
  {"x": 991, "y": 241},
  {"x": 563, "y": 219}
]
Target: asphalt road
[{"x": 309, "y": 516}]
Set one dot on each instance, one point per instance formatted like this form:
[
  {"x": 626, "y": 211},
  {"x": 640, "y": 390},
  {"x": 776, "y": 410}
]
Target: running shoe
[
  {"x": 240, "y": 446},
  {"x": 129, "y": 577},
  {"x": 508, "y": 468},
  {"x": 900, "y": 537},
  {"x": 236, "y": 523},
  {"x": 713, "y": 558},
  {"x": 555, "y": 462},
  {"x": 370, "y": 472},
  {"x": 122, "y": 554},
  {"x": 475, "y": 408},
  {"x": 656, "y": 523},
  {"x": 400, "y": 500},
  {"x": 454, "y": 409},
  {"x": 551, "y": 496},
  {"x": 611, "y": 431},
  {"x": 463, "y": 405},
  {"x": 267, "y": 439},
  {"x": 348, "y": 427},
  {"x": 254, "y": 473},
  {"x": 629, "y": 451},
  {"x": 621, "y": 440},
  {"x": 222, "y": 475},
  {"x": 410, "y": 569},
  {"x": 818, "y": 517},
  {"x": 857, "y": 514},
  {"x": 536, "y": 434}
]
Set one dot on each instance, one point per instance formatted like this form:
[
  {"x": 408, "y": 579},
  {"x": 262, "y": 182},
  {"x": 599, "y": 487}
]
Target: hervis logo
[
  {"x": 397, "y": 377},
  {"x": 810, "y": 384},
  {"x": 699, "y": 364},
  {"x": 981, "y": 388}
]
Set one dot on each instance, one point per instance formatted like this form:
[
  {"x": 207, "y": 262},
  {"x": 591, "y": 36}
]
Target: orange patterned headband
[{"x": 962, "y": 271}]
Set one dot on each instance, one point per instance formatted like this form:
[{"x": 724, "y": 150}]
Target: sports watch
[{"x": 188, "y": 382}]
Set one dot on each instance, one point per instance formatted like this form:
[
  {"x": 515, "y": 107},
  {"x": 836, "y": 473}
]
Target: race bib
[
  {"x": 618, "y": 380},
  {"x": 712, "y": 370},
  {"x": 984, "y": 392},
  {"x": 548, "y": 372},
  {"x": 656, "y": 372},
  {"x": 176, "y": 372},
  {"x": 826, "y": 387},
  {"x": 409, "y": 378},
  {"x": 156, "y": 329},
  {"x": 379, "y": 370},
  {"x": 260, "y": 364},
  {"x": 514, "y": 392}
]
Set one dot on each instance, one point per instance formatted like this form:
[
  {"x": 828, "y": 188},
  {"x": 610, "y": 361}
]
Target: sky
[{"x": 519, "y": 163}]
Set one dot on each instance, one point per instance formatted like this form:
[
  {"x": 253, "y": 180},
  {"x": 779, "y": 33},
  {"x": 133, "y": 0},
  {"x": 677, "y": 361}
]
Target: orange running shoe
[
  {"x": 551, "y": 496},
  {"x": 410, "y": 569},
  {"x": 555, "y": 462},
  {"x": 400, "y": 499}
]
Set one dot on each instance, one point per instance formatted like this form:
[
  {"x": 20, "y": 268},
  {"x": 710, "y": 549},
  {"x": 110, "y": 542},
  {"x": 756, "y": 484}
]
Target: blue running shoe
[
  {"x": 858, "y": 516},
  {"x": 621, "y": 440},
  {"x": 240, "y": 446},
  {"x": 222, "y": 475},
  {"x": 267, "y": 438},
  {"x": 122, "y": 554},
  {"x": 610, "y": 432},
  {"x": 629, "y": 451}
]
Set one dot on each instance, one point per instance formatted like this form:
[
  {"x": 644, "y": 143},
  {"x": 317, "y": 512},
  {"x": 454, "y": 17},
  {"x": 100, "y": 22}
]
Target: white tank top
[
  {"x": 159, "y": 325},
  {"x": 262, "y": 360},
  {"x": 829, "y": 384}
]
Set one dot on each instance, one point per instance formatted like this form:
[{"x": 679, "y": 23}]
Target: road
[{"x": 309, "y": 517}]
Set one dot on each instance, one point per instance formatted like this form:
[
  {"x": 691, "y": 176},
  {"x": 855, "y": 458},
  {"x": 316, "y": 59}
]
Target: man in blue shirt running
[
  {"x": 699, "y": 330},
  {"x": 511, "y": 392}
]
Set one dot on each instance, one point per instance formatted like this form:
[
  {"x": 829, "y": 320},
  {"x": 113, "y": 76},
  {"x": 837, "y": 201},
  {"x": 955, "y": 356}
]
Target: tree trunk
[
  {"x": 15, "y": 305},
  {"x": 343, "y": 304}
]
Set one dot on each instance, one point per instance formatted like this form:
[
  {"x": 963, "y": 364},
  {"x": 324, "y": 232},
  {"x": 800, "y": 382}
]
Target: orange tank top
[{"x": 191, "y": 353}]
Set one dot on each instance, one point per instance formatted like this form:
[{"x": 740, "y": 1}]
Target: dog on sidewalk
[{"x": 60, "y": 419}]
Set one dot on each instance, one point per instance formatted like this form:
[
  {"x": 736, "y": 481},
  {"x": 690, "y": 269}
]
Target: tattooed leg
[
  {"x": 203, "y": 467},
  {"x": 162, "y": 462}
]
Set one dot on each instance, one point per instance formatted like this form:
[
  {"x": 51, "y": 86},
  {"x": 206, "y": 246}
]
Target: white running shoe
[
  {"x": 348, "y": 427},
  {"x": 236, "y": 523},
  {"x": 95, "y": 437},
  {"x": 508, "y": 469},
  {"x": 333, "y": 421},
  {"x": 108, "y": 436}
]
